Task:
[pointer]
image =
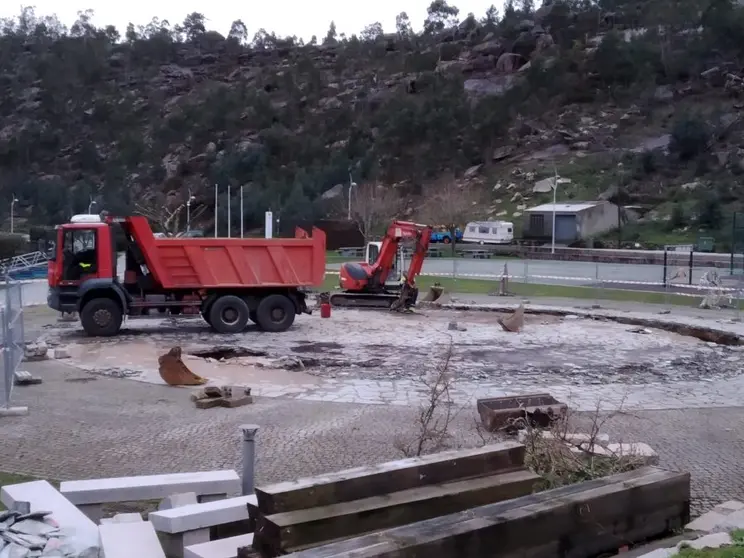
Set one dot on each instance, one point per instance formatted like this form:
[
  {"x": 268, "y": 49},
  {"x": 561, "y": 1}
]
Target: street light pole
[
  {"x": 188, "y": 211},
  {"x": 91, "y": 204},
  {"x": 12, "y": 204},
  {"x": 555, "y": 191},
  {"x": 351, "y": 185}
]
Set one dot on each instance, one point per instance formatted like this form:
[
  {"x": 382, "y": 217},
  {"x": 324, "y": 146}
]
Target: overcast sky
[{"x": 288, "y": 17}]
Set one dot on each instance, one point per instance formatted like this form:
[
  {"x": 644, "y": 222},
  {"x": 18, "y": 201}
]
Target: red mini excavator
[{"x": 363, "y": 284}]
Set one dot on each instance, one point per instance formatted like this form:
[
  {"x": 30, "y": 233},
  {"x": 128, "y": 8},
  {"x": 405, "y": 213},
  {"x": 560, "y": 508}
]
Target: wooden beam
[
  {"x": 394, "y": 476},
  {"x": 290, "y": 530},
  {"x": 580, "y": 521}
]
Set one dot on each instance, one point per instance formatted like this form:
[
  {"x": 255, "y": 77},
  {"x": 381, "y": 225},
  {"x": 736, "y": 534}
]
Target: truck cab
[{"x": 84, "y": 254}]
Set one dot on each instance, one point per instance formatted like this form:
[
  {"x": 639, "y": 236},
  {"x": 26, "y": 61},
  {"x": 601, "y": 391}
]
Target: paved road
[{"x": 85, "y": 427}]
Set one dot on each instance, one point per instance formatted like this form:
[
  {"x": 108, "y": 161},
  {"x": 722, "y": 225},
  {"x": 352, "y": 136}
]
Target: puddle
[
  {"x": 319, "y": 347},
  {"x": 227, "y": 353}
]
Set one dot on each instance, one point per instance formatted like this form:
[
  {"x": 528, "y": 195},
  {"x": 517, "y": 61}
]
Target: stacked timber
[
  {"x": 579, "y": 521},
  {"x": 294, "y": 516}
]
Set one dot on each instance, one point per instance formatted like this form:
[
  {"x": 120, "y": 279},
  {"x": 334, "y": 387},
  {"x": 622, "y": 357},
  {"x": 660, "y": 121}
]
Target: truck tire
[
  {"x": 101, "y": 317},
  {"x": 228, "y": 314},
  {"x": 275, "y": 313}
]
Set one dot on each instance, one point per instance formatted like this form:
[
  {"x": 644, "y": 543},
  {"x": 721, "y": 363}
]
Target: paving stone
[
  {"x": 714, "y": 540},
  {"x": 720, "y": 518}
]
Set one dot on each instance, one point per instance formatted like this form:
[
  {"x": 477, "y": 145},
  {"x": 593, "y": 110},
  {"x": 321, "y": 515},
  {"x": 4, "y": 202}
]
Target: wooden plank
[
  {"x": 394, "y": 476},
  {"x": 285, "y": 531},
  {"x": 585, "y": 519}
]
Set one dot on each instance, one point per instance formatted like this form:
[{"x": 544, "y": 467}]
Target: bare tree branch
[
  {"x": 372, "y": 207},
  {"x": 450, "y": 204}
]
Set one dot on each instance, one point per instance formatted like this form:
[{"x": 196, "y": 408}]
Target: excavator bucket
[
  {"x": 436, "y": 294},
  {"x": 175, "y": 373}
]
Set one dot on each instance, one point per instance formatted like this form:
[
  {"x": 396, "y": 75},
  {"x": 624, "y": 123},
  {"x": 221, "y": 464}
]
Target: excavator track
[{"x": 363, "y": 300}]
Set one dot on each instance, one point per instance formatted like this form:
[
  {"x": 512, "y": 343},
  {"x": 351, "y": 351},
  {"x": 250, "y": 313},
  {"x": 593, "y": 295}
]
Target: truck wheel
[
  {"x": 275, "y": 313},
  {"x": 447, "y": 240},
  {"x": 228, "y": 314},
  {"x": 101, "y": 317}
]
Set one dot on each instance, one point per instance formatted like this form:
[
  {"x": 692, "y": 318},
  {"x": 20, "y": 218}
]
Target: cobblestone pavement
[
  {"x": 81, "y": 426},
  {"x": 376, "y": 357}
]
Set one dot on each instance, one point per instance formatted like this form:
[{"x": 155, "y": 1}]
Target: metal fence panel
[{"x": 12, "y": 341}]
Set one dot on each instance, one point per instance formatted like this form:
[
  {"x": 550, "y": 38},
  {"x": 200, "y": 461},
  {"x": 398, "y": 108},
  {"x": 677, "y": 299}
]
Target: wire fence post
[{"x": 526, "y": 271}]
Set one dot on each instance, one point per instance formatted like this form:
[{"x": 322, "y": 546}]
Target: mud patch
[
  {"x": 317, "y": 347},
  {"x": 227, "y": 353}
]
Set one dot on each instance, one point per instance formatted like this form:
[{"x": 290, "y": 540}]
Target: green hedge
[{"x": 13, "y": 245}]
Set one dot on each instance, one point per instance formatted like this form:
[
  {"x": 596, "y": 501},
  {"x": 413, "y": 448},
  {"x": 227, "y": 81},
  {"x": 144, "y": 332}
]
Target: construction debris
[
  {"x": 225, "y": 396},
  {"x": 35, "y": 351},
  {"x": 175, "y": 373},
  {"x": 33, "y": 534},
  {"x": 515, "y": 322},
  {"x": 23, "y": 378}
]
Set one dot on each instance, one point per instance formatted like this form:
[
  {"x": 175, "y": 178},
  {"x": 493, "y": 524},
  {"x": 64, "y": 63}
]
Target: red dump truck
[{"x": 229, "y": 281}]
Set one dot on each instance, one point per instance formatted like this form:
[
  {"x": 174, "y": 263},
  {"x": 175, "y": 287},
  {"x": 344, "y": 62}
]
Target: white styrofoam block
[
  {"x": 199, "y": 516},
  {"x": 127, "y": 540},
  {"x": 150, "y": 487},
  {"x": 44, "y": 497},
  {"x": 177, "y": 500},
  {"x": 221, "y": 548}
]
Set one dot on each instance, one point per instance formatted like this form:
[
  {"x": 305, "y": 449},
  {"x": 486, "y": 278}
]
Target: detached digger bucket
[
  {"x": 436, "y": 294},
  {"x": 175, "y": 373}
]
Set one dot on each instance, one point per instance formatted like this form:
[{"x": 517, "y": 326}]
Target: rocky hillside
[{"x": 638, "y": 102}]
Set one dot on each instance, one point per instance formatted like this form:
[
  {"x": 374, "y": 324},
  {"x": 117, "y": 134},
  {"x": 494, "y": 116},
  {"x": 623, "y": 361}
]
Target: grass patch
[
  {"x": 482, "y": 286},
  {"x": 736, "y": 550}
]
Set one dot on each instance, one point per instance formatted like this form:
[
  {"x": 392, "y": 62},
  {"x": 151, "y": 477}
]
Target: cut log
[
  {"x": 394, "y": 476},
  {"x": 286, "y": 531},
  {"x": 580, "y": 521}
]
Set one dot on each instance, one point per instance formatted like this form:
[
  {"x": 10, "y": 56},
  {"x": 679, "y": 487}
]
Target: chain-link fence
[{"x": 11, "y": 332}]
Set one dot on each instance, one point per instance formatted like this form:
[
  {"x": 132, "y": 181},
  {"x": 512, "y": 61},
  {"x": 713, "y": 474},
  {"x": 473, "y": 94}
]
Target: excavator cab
[{"x": 372, "y": 252}]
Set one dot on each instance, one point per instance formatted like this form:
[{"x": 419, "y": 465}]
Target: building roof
[{"x": 565, "y": 207}]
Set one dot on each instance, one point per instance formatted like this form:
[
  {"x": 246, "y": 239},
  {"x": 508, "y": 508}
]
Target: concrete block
[
  {"x": 707, "y": 522},
  {"x": 177, "y": 500},
  {"x": 151, "y": 487},
  {"x": 42, "y": 496},
  {"x": 223, "y": 548},
  {"x": 199, "y": 516},
  {"x": 13, "y": 411},
  {"x": 60, "y": 352},
  {"x": 127, "y": 540}
]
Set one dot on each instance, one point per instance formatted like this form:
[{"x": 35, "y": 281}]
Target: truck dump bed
[{"x": 195, "y": 263}]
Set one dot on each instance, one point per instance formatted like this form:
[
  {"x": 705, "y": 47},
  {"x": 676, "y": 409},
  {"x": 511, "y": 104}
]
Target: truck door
[{"x": 79, "y": 254}]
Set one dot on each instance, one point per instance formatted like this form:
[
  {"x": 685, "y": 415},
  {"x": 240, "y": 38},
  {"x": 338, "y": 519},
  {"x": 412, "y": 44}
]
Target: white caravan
[{"x": 489, "y": 232}]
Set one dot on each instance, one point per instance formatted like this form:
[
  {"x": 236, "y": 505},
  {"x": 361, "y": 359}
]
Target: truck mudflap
[{"x": 301, "y": 302}]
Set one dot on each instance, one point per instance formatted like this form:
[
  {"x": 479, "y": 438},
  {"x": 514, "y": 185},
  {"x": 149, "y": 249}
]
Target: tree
[
  {"x": 83, "y": 27},
  {"x": 440, "y": 16},
  {"x": 492, "y": 16},
  {"x": 451, "y": 205},
  {"x": 373, "y": 206},
  {"x": 193, "y": 26},
  {"x": 331, "y": 37},
  {"x": 238, "y": 31},
  {"x": 403, "y": 26},
  {"x": 372, "y": 32}
]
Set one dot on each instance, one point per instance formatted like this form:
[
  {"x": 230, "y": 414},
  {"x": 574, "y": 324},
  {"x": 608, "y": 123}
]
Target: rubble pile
[{"x": 31, "y": 535}]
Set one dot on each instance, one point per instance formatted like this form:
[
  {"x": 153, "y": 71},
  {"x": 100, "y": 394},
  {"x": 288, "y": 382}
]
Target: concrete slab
[
  {"x": 223, "y": 548},
  {"x": 199, "y": 516},
  {"x": 126, "y": 540},
  {"x": 722, "y": 518},
  {"x": 150, "y": 487}
]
